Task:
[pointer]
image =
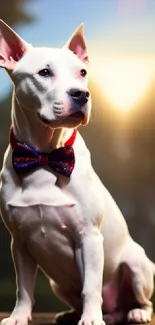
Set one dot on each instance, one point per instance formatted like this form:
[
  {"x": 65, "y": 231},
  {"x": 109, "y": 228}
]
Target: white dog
[{"x": 60, "y": 216}]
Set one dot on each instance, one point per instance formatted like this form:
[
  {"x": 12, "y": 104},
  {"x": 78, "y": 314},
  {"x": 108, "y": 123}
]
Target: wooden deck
[
  {"x": 47, "y": 318},
  {"x": 38, "y": 318}
]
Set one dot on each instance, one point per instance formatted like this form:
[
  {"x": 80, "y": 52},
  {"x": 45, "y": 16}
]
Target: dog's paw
[
  {"x": 91, "y": 321},
  {"x": 138, "y": 316},
  {"x": 19, "y": 319}
]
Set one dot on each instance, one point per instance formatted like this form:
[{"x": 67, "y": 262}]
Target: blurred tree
[{"x": 13, "y": 12}]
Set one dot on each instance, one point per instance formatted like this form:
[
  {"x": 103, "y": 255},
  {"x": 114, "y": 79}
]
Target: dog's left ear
[{"x": 77, "y": 44}]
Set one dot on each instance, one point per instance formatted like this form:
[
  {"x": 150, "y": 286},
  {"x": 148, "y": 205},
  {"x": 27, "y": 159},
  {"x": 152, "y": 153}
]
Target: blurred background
[{"x": 121, "y": 135}]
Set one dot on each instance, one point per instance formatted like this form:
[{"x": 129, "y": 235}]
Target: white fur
[{"x": 67, "y": 227}]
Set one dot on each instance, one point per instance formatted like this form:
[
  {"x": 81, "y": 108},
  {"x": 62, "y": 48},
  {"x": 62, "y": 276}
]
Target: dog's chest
[
  {"x": 65, "y": 209},
  {"x": 51, "y": 231},
  {"x": 41, "y": 208}
]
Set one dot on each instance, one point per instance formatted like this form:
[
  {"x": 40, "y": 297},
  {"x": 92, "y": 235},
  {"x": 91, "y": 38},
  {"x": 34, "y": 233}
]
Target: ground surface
[
  {"x": 47, "y": 318},
  {"x": 38, "y": 318}
]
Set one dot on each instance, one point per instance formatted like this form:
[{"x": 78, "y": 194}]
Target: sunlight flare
[{"x": 123, "y": 80}]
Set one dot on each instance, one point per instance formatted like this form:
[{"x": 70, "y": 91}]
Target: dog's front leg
[
  {"x": 90, "y": 261},
  {"x": 25, "y": 269}
]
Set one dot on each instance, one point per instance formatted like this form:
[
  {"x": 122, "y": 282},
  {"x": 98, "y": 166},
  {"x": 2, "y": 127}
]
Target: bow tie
[{"x": 25, "y": 158}]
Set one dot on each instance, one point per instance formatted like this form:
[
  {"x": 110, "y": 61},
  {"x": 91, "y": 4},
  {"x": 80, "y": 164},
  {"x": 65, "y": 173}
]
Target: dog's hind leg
[
  {"x": 25, "y": 269},
  {"x": 141, "y": 274},
  {"x": 144, "y": 312}
]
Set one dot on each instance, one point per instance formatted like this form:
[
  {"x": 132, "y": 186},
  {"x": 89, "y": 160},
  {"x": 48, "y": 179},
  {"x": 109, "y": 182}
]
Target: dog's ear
[
  {"x": 12, "y": 47},
  {"x": 77, "y": 44}
]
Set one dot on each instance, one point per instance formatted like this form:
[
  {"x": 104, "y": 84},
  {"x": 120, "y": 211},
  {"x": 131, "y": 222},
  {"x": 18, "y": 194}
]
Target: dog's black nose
[{"x": 80, "y": 97}]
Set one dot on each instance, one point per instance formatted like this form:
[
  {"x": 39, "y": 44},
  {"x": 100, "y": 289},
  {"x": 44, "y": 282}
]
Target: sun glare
[{"x": 123, "y": 80}]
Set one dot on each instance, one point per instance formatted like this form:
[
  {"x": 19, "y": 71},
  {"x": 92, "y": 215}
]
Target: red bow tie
[{"x": 25, "y": 158}]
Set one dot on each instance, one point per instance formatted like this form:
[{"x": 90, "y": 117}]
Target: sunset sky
[{"x": 120, "y": 36}]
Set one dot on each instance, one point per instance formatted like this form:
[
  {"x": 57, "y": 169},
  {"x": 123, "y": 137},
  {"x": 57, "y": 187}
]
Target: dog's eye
[
  {"x": 83, "y": 72},
  {"x": 44, "y": 73}
]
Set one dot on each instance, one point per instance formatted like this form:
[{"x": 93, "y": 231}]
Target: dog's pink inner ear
[
  {"x": 12, "y": 47},
  {"x": 78, "y": 46},
  {"x": 10, "y": 55}
]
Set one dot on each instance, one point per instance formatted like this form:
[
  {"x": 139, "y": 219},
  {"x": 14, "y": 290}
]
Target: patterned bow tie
[{"x": 61, "y": 160}]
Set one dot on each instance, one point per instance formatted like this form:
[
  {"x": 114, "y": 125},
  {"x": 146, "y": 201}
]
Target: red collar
[{"x": 69, "y": 142}]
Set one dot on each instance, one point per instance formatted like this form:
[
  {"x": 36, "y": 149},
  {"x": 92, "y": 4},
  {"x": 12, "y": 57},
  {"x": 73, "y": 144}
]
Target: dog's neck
[{"x": 27, "y": 128}]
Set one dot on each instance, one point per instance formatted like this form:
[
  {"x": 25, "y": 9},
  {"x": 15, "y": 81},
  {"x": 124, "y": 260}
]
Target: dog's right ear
[
  {"x": 12, "y": 47},
  {"x": 77, "y": 44}
]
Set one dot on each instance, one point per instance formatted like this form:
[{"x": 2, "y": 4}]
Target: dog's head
[{"x": 50, "y": 81}]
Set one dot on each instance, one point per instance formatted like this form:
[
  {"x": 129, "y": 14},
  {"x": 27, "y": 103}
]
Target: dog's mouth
[
  {"x": 78, "y": 114},
  {"x": 78, "y": 117}
]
